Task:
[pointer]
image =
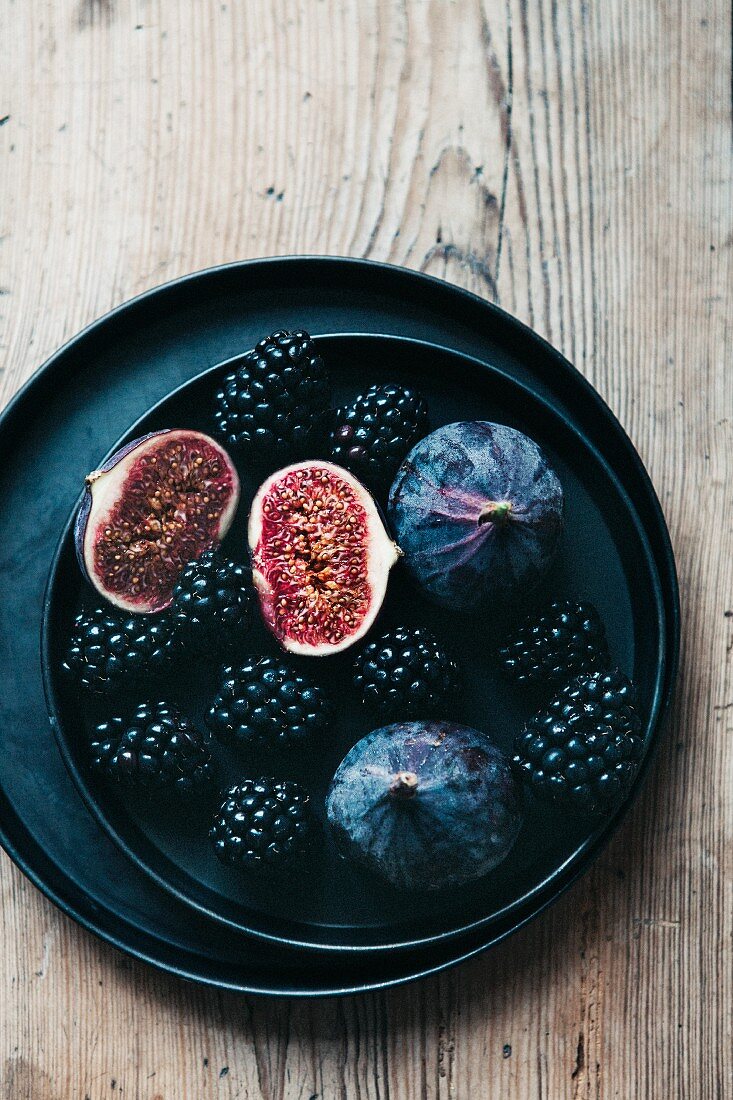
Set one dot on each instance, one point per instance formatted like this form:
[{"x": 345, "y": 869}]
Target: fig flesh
[
  {"x": 425, "y": 805},
  {"x": 320, "y": 557},
  {"x": 477, "y": 511},
  {"x": 155, "y": 505}
]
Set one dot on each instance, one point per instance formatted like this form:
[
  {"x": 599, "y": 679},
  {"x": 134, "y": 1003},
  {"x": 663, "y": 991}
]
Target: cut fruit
[
  {"x": 320, "y": 557},
  {"x": 158, "y": 503}
]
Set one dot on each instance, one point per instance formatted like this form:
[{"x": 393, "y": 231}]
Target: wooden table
[{"x": 571, "y": 161}]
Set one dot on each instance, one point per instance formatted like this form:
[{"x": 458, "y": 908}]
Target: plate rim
[
  {"x": 575, "y": 864},
  {"x": 189, "y": 975}
]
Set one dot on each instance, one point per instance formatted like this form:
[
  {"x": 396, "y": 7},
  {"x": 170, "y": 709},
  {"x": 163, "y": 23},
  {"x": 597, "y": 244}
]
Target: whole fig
[
  {"x": 477, "y": 511},
  {"x": 425, "y": 805}
]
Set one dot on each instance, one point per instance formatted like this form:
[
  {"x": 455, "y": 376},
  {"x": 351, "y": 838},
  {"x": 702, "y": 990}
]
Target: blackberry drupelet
[
  {"x": 584, "y": 749},
  {"x": 372, "y": 436},
  {"x": 274, "y": 406},
  {"x": 263, "y": 824},
  {"x": 406, "y": 674},
  {"x": 109, "y": 646},
  {"x": 564, "y": 640},
  {"x": 212, "y": 604},
  {"x": 157, "y": 750},
  {"x": 265, "y": 703}
]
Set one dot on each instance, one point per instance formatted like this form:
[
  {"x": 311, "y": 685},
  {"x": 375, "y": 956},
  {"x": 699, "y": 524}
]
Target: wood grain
[{"x": 571, "y": 161}]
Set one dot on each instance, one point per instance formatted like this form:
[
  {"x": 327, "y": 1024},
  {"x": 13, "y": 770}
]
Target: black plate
[
  {"x": 54, "y": 432},
  {"x": 605, "y": 557}
]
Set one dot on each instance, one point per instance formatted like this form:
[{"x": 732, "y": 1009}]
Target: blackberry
[
  {"x": 212, "y": 604},
  {"x": 406, "y": 674},
  {"x": 372, "y": 436},
  {"x": 563, "y": 641},
  {"x": 263, "y": 824},
  {"x": 266, "y": 703},
  {"x": 157, "y": 750},
  {"x": 108, "y": 646},
  {"x": 274, "y": 405},
  {"x": 584, "y": 749}
]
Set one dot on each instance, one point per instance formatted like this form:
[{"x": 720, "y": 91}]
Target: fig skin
[
  {"x": 382, "y": 553},
  {"x": 425, "y": 805},
  {"x": 477, "y": 511},
  {"x": 104, "y": 490}
]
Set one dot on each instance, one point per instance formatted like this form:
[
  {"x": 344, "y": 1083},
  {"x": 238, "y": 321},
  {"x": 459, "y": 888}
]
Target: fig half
[
  {"x": 321, "y": 557},
  {"x": 156, "y": 504}
]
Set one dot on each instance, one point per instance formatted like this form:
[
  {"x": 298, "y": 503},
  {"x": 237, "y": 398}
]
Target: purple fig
[
  {"x": 425, "y": 805},
  {"x": 477, "y": 511}
]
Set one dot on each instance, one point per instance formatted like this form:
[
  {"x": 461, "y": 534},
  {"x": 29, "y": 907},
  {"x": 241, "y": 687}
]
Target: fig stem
[
  {"x": 93, "y": 476},
  {"x": 496, "y": 511},
  {"x": 403, "y": 784}
]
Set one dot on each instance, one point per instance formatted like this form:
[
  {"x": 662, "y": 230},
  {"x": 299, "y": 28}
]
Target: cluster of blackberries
[
  {"x": 211, "y": 612},
  {"x": 274, "y": 407},
  {"x": 583, "y": 749},
  {"x": 263, "y": 704}
]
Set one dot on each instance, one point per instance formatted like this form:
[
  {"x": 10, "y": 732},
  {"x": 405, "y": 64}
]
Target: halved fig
[
  {"x": 321, "y": 557},
  {"x": 158, "y": 503}
]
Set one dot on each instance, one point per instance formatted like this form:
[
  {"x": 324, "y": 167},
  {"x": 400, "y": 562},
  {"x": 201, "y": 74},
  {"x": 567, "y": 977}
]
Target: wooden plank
[{"x": 571, "y": 161}]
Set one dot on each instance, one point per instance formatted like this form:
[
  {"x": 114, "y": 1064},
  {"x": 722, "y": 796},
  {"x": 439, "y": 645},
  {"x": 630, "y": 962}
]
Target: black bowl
[{"x": 606, "y": 557}]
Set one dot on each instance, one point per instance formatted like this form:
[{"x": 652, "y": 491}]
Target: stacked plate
[{"x": 148, "y": 883}]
